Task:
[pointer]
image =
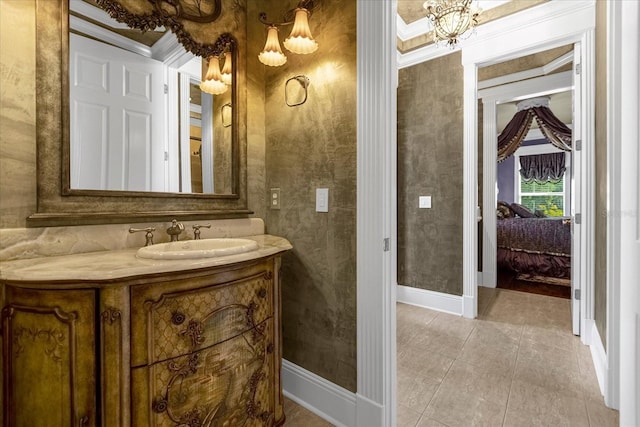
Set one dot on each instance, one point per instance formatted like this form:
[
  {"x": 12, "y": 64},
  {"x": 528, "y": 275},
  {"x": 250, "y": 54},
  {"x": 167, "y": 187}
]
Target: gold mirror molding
[
  {"x": 203, "y": 11},
  {"x": 56, "y": 205},
  {"x": 176, "y": 15}
]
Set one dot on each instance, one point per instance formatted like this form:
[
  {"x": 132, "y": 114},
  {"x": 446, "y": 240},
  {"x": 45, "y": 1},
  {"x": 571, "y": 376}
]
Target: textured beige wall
[
  {"x": 256, "y": 138},
  {"x": 17, "y": 112},
  {"x": 314, "y": 146},
  {"x": 601, "y": 172},
  {"x": 430, "y": 149}
]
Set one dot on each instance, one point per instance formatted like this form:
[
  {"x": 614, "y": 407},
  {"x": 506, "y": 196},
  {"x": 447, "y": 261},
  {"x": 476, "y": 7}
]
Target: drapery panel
[
  {"x": 552, "y": 128},
  {"x": 542, "y": 168}
]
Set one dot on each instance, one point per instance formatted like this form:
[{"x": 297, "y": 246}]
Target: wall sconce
[
  {"x": 217, "y": 81},
  {"x": 213, "y": 82},
  {"x": 299, "y": 41},
  {"x": 227, "y": 70}
]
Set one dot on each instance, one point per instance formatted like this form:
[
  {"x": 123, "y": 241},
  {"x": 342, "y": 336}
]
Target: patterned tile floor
[
  {"x": 297, "y": 416},
  {"x": 517, "y": 364}
]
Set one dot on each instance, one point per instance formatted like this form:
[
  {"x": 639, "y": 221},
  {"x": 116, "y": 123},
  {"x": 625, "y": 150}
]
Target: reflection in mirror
[{"x": 138, "y": 120}]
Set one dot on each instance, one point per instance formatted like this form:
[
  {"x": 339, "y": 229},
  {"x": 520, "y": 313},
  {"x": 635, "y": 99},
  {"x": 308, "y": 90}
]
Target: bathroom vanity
[{"x": 108, "y": 338}]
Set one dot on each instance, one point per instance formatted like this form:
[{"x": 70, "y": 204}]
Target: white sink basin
[{"x": 192, "y": 249}]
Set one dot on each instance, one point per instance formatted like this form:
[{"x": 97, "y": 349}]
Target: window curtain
[
  {"x": 542, "y": 168},
  {"x": 552, "y": 128}
]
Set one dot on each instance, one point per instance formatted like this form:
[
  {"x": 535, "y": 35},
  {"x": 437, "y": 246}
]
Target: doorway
[
  {"x": 532, "y": 242},
  {"x": 570, "y": 24}
]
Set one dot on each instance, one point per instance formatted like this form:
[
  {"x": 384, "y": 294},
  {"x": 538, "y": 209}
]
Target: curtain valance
[
  {"x": 542, "y": 168},
  {"x": 552, "y": 128}
]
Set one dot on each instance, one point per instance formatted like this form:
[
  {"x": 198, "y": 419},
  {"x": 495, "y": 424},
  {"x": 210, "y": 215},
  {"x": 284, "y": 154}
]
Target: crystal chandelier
[{"x": 451, "y": 19}]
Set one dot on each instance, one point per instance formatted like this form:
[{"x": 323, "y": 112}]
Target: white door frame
[
  {"x": 546, "y": 26},
  {"x": 376, "y": 213},
  {"x": 622, "y": 385}
]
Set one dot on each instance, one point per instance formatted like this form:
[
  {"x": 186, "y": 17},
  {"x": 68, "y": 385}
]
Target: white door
[
  {"x": 625, "y": 123},
  {"x": 116, "y": 100},
  {"x": 576, "y": 189}
]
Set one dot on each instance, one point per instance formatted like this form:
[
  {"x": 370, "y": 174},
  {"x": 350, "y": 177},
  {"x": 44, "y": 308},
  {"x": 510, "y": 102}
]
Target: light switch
[
  {"x": 424, "y": 202},
  {"x": 275, "y": 198},
  {"x": 322, "y": 200}
]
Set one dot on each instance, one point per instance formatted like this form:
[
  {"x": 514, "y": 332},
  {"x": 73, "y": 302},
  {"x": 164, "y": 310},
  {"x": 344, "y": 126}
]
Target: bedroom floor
[
  {"x": 507, "y": 279},
  {"x": 517, "y": 364}
]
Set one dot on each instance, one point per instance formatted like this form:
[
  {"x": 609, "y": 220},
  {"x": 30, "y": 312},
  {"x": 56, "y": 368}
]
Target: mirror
[
  {"x": 135, "y": 105},
  {"x": 61, "y": 202}
]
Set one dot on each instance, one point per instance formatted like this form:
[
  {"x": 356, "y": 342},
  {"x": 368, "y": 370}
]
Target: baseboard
[
  {"x": 479, "y": 279},
  {"x": 469, "y": 307},
  {"x": 438, "y": 301},
  {"x": 324, "y": 398},
  {"x": 599, "y": 356},
  {"x": 369, "y": 413}
]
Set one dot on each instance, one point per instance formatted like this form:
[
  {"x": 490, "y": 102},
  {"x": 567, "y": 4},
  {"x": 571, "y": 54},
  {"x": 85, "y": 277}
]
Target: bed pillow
[
  {"x": 539, "y": 213},
  {"x": 504, "y": 210},
  {"x": 522, "y": 211}
]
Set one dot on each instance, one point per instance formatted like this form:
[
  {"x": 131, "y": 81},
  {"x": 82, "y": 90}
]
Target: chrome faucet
[
  {"x": 175, "y": 230},
  {"x": 196, "y": 230},
  {"x": 149, "y": 235}
]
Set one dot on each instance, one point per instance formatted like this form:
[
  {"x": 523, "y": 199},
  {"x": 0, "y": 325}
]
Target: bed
[{"x": 535, "y": 246}]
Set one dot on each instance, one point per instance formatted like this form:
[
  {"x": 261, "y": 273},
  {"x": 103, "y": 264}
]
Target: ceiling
[
  {"x": 414, "y": 29},
  {"x": 412, "y": 11}
]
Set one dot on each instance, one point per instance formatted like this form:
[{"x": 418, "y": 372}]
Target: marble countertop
[{"x": 108, "y": 265}]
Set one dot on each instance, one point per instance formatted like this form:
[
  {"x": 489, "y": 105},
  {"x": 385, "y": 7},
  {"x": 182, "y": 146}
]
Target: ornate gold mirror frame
[{"x": 57, "y": 205}]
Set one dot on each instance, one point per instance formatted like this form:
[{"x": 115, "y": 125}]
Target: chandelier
[{"x": 451, "y": 19}]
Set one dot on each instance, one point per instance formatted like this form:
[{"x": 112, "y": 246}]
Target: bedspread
[{"x": 551, "y": 236}]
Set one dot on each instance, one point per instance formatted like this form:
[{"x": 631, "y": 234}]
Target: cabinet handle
[
  {"x": 178, "y": 318},
  {"x": 159, "y": 405},
  {"x": 84, "y": 421}
]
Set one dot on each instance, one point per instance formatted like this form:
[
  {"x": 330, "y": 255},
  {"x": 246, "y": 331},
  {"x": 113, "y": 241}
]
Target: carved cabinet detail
[
  {"x": 209, "y": 357},
  {"x": 48, "y": 354},
  {"x": 188, "y": 349}
]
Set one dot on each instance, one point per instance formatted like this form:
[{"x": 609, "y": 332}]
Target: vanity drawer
[
  {"x": 170, "y": 321},
  {"x": 228, "y": 384}
]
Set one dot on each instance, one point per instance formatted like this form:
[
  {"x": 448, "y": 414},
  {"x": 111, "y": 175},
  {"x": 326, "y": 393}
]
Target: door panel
[{"x": 121, "y": 133}]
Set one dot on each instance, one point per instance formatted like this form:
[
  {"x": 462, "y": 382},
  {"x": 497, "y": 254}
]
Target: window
[
  {"x": 547, "y": 197},
  {"x": 552, "y": 198}
]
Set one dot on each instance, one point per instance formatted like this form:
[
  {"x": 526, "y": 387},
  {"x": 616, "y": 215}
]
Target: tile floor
[
  {"x": 297, "y": 416},
  {"x": 517, "y": 364}
]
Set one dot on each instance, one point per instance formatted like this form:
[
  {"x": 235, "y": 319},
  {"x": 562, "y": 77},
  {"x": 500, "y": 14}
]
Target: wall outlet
[
  {"x": 424, "y": 202},
  {"x": 322, "y": 200},
  {"x": 274, "y": 199}
]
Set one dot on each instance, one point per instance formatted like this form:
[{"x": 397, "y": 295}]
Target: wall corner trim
[
  {"x": 324, "y": 398},
  {"x": 599, "y": 356},
  {"x": 438, "y": 301}
]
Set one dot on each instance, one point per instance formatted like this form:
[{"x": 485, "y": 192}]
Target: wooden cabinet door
[{"x": 49, "y": 363}]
